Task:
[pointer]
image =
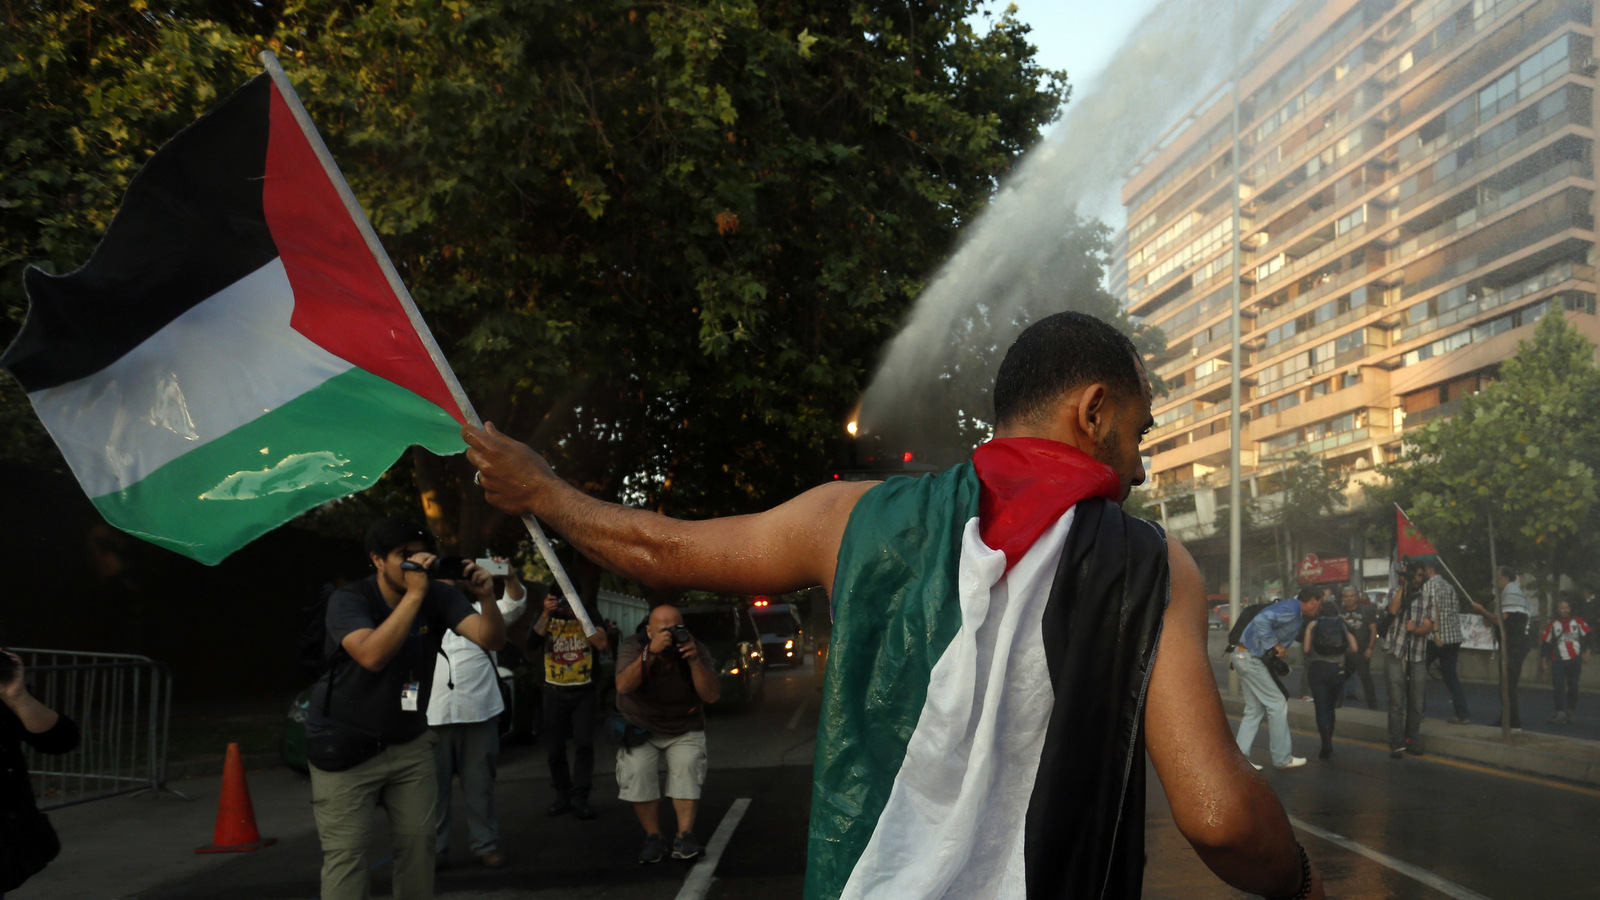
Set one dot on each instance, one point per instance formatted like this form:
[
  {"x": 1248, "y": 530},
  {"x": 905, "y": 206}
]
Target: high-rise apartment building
[{"x": 1417, "y": 188}]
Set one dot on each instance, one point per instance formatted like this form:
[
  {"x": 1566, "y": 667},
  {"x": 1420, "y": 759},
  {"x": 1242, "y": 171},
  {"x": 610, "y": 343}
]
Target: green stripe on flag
[
  {"x": 896, "y": 609},
  {"x": 333, "y": 440}
]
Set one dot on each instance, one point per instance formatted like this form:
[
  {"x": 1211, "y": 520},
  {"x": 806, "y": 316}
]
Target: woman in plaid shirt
[{"x": 1565, "y": 655}]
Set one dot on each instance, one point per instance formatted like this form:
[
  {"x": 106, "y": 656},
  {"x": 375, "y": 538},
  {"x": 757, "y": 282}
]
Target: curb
[{"x": 1550, "y": 756}]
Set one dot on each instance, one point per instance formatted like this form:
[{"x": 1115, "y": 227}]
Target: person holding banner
[{"x": 1514, "y": 613}]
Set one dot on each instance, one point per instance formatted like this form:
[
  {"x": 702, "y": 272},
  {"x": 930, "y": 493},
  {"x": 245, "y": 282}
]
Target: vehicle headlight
[
  {"x": 730, "y": 668},
  {"x": 788, "y": 645}
]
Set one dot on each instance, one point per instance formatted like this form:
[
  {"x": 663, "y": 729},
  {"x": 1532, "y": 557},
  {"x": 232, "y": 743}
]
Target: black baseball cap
[{"x": 386, "y": 534}]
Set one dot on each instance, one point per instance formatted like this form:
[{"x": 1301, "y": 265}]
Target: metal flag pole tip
[{"x": 280, "y": 80}]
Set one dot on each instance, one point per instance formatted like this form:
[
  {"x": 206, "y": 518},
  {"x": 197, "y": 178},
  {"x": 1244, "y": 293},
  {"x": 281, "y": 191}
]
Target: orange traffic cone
[{"x": 236, "y": 818}]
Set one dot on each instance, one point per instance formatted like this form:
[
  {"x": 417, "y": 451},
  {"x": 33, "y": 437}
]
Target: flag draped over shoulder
[
  {"x": 232, "y": 353},
  {"x": 980, "y": 735}
]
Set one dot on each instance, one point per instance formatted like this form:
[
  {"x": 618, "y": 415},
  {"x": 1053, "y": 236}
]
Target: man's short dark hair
[
  {"x": 1056, "y": 354},
  {"x": 386, "y": 534},
  {"x": 1309, "y": 593},
  {"x": 1508, "y": 573}
]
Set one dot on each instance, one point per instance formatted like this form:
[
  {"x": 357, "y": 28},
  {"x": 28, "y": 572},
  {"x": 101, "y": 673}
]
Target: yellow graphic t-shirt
[{"x": 567, "y": 657}]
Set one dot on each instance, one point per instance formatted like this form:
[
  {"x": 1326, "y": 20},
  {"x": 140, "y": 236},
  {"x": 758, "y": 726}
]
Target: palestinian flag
[
  {"x": 232, "y": 353},
  {"x": 981, "y": 729}
]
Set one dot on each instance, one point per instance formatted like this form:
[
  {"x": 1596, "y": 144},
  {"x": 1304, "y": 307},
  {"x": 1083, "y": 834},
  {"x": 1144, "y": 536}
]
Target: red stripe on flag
[
  {"x": 1027, "y": 484},
  {"x": 1411, "y": 543},
  {"x": 342, "y": 302}
]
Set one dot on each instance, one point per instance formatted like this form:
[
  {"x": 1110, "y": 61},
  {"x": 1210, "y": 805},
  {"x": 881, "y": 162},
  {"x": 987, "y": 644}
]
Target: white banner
[{"x": 1477, "y": 633}]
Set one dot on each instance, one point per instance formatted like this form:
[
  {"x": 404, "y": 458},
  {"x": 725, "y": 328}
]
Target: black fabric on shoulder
[
  {"x": 190, "y": 224},
  {"x": 1085, "y": 825}
]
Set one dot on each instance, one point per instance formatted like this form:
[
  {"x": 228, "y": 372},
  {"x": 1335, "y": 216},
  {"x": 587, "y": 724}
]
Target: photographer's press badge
[{"x": 408, "y": 696}]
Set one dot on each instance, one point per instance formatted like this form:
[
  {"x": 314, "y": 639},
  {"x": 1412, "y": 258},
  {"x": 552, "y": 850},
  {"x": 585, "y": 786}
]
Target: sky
[{"x": 1077, "y": 35}]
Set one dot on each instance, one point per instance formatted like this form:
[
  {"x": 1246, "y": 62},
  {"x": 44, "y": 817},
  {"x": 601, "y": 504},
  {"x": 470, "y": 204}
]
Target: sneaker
[
  {"x": 1294, "y": 762},
  {"x": 1324, "y": 753},
  {"x": 1258, "y": 768},
  {"x": 1460, "y": 720},
  {"x": 685, "y": 846},
  {"x": 493, "y": 859},
  {"x": 1396, "y": 752},
  {"x": 655, "y": 849},
  {"x": 1415, "y": 750},
  {"x": 581, "y": 809}
]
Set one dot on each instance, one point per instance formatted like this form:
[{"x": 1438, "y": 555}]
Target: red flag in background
[{"x": 1410, "y": 541}]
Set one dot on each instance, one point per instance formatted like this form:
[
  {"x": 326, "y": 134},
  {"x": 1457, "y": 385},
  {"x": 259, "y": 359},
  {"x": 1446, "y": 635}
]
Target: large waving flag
[{"x": 235, "y": 351}]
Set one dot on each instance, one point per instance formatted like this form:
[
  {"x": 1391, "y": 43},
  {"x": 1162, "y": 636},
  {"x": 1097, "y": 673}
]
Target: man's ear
[
  {"x": 376, "y": 560},
  {"x": 1093, "y": 411}
]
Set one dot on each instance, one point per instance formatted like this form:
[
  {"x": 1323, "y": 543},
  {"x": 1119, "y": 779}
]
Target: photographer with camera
[
  {"x": 664, "y": 679},
  {"x": 464, "y": 713},
  {"x": 569, "y": 698},
  {"x": 367, "y": 736},
  {"x": 27, "y": 842}
]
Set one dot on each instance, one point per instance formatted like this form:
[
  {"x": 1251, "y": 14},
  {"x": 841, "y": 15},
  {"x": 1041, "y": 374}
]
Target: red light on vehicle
[
  {"x": 836, "y": 476},
  {"x": 906, "y": 457},
  {"x": 761, "y": 601},
  {"x": 734, "y": 670}
]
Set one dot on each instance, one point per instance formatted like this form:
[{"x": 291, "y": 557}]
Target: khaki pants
[{"x": 404, "y": 779}]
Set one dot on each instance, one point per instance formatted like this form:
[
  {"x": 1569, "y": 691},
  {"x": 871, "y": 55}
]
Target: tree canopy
[{"x": 661, "y": 242}]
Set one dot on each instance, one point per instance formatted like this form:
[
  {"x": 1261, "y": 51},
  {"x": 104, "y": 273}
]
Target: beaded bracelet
[{"x": 1305, "y": 876}]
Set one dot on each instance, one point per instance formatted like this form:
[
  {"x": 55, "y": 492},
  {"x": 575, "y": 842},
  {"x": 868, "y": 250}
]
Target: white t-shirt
[{"x": 473, "y": 671}]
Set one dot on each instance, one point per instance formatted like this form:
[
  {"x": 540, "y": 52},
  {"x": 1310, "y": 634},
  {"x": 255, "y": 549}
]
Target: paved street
[{"x": 1422, "y": 828}]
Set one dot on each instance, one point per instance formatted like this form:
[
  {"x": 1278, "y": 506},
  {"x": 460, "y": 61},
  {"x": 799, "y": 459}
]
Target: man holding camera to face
[
  {"x": 664, "y": 679},
  {"x": 367, "y": 736},
  {"x": 569, "y": 698}
]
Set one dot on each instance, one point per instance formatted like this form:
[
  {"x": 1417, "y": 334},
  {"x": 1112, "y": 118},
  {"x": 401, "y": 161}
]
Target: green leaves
[{"x": 1526, "y": 450}]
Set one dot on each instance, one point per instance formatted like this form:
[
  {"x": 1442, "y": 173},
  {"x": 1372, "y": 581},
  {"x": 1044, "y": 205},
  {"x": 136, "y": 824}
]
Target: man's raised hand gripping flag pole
[{"x": 239, "y": 348}]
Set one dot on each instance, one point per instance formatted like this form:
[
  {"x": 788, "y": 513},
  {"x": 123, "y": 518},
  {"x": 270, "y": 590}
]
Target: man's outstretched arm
[
  {"x": 1220, "y": 804},
  {"x": 787, "y": 548}
]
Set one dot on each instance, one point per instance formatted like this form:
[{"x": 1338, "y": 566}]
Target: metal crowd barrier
[{"x": 122, "y": 705}]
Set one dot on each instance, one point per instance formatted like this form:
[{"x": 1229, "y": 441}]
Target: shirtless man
[{"x": 1069, "y": 380}]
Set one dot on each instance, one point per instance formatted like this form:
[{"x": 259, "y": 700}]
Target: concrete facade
[{"x": 1417, "y": 188}]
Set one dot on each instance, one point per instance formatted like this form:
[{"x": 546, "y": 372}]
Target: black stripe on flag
[
  {"x": 1085, "y": 824},
  {"x": 190, "y": 224}
]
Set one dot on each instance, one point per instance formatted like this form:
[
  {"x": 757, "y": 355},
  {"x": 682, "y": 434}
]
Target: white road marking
[
  {"x": 1442, "y": 885},
  {"x": 699, "y": 880},
  {"x": 800, "y": 710}
]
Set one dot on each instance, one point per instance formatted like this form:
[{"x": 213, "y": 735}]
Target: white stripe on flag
[
  {"x": 229, "y": 360},
  {"x": 956, "y": 819}
]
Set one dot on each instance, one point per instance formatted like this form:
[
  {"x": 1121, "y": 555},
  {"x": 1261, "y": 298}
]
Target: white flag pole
[{"x": 357, "y": 215}]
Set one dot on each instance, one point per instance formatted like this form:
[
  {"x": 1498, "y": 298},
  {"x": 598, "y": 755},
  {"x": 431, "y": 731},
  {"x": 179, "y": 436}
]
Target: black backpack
[
  {"x": 1328, "y": 636},
  {"x": 1236, "y": 633}
]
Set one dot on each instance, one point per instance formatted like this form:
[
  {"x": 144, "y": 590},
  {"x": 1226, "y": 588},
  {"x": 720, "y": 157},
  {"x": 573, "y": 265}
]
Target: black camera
[
  {"x": 449, "y": 568},
  {"x": 680, "y": 634}
]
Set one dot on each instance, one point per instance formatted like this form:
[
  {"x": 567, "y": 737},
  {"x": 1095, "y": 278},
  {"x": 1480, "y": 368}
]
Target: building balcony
[
  {"x": 1551, "y": 280},
  {"x": 1479, "y": 216},
  {"x": 1577, "y": 217}
]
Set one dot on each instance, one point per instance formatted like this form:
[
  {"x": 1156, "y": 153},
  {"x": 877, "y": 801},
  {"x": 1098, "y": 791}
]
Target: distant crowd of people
[
  {"x": 1418, "y": 628},
  {"x": 408, "y": 700}
]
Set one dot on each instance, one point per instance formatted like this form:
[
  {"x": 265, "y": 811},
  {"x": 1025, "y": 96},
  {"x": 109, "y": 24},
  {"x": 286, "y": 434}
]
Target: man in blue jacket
[{"x": 1271, "y": 633}]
